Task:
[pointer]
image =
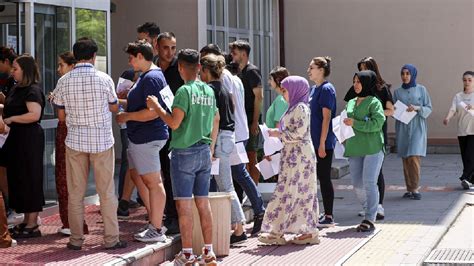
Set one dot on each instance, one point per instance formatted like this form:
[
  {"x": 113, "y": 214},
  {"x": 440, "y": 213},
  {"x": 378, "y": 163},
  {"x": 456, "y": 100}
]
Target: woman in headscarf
[
  {"x": 293, "y": 208},
  {"x": 462, "y": 107},
  {"x": 366, "y": 149},
  {"x": 412, "y": 137}
]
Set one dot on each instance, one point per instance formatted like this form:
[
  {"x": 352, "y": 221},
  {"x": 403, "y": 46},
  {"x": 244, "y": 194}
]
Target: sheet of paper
[
  {"x": 269, "y": 168},
  {"x": 3, "y": 138},
  {"x": 239, "y": 154},
  {"x": 167, "y": 96},
  {"x": 464, "y": 106},
  {"x": 264, "y": 130},
  {"x": 340, "y": 129},
  {"x": 272, "y": 145},
  {"x": 215, "y": 167},
  {"x": 339, "y": 151},
  {"x": 401, "y": 113},
  {"x": 123, "y": 85}
]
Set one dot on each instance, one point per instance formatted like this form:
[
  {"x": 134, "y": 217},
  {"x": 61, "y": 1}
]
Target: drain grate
[{"x": 450, "y": 256}]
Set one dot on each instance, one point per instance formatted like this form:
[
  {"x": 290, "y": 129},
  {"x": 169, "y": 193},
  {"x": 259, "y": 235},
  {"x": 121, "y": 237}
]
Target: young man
[
  {"x": 87, "y": 98},
  {"x": 147, "y": 135},
  {"x": 240, "y": 174},
  {"x": 149, "y": 31},
  {"x": 195, "y": 123},
  {"x": 168, "y": 62},
  {"x": 252, "y": 80}
]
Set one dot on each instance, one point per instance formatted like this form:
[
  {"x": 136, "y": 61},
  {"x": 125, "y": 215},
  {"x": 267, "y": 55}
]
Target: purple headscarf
[{"x": 298, "y": 92}]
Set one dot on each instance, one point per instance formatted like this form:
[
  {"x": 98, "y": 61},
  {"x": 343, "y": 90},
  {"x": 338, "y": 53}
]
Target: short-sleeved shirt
[
  {"x": 234, "y": 85},
  {"x": 276, "y": 110},
  {"x": 15, "y": 102},
  {"x": 323, "y": 96},
  {"x": 172, "y": 76},
  {"x": 196, "y": 99},
  {"x": 251, "y": 78},
  {"x": 465, "y": 119},
  {"x": 85, "y": 94},
  {"x": 149, "y": 83},
  {"x": 224, "y": 105}
]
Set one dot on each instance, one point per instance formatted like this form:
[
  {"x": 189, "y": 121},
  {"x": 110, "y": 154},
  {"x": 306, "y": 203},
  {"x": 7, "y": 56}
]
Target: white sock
[
  {"x": 188, "y": 251},
  {"x": 208, "y": 247}
]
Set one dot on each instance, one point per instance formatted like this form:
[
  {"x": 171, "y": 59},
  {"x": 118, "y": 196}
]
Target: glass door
[{"x": 11, "y": 35}]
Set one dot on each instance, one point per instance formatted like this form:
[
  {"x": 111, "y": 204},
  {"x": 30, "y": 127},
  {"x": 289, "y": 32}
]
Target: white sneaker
[
  {"x": 380, "y": 210},
  {"x": 64, "y": 231},
  {"x": 13, "y": 244},
  {"x": 15, "y": 218},
  {"x": 151, "y": 235}
]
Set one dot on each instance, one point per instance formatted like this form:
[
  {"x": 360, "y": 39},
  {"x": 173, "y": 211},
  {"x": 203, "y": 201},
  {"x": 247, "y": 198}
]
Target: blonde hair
[{"x": 214, "y": 63}]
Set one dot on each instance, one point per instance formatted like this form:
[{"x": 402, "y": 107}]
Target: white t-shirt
[
  {"x": 465, "y": 119},
  {"x": 234, "y": 85}
]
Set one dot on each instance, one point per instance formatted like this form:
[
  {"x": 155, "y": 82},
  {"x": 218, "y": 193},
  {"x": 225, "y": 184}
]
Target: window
[
  {"x": 250, "y": 20},
  {"x": 93, "y": 24}
]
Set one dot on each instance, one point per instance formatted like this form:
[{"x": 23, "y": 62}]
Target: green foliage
[{"x": 92, "y": 24}]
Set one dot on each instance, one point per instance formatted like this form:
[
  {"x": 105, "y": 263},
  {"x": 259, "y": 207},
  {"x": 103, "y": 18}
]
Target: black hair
[
  {"x": 371, "y": 64},
  {"x": 150, "y": 28},
  {"x": 30, "y": 70},
  {"x": 7, "y": 53},
  {"x": 468, "y": 73},
  {"x": 189, "y": 57},
  {"x": 211, "y": 49},
  {"x": 233, "y": 67},
  {"x": 84, "y": 49},
  {"x": 165, "y": 35},
  {"x": 68, "y": 58},
  {"x": 278, "y": 74},
  {"x": 241, "y": 45},
  {"x": 142, "y": 47}
]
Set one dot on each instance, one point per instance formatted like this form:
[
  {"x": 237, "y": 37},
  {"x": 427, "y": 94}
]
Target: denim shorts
[
  {"x": 191, "y": 171},
  {"x": 145, "y": 158}
]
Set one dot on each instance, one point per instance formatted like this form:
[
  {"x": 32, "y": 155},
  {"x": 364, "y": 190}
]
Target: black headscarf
[{"x": 368, "y": 79}]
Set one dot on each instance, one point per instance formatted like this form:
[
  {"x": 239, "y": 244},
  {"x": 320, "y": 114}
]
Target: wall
[{"x": 435, "y": 35}]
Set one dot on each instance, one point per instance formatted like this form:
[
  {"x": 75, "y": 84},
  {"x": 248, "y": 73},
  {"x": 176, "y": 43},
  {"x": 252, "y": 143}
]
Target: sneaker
[
  {"x": 122, "y": 210},
  {"x": 207, "y": 258},
  {"x": 73, "y": 247},
  {"x": 141, "y": 230},
  {"x": 326, "y": 222},
  {"x": 151, "y": 235},
  {"x": 15, "y": 218},
  {"x": 133, "y": 204},
  {"x": 236, "y": 239},
  {"x": 118, "y": 245},
  {"x": 380, "y": 212},
  {"x": 416, "y": 196},
  {"x": 407, "y": 195},
  {"x": 257, "y": 224},
  {"x": 13, "y": 243},
  {"x": 64, "y": 231},
  {"x": 466, "y": 184},
  {"x": 181, "y": 259}
]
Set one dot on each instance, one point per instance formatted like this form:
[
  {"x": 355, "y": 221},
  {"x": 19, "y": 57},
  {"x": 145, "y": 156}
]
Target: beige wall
[{"x": 435, "y": 35}]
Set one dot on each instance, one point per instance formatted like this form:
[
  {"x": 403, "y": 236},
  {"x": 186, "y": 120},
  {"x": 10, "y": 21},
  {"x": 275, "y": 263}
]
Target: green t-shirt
[
  {"x": 276, "y": 111},
  {"x": 196, "y": 99},
  {"x": 368, "y": 122}
]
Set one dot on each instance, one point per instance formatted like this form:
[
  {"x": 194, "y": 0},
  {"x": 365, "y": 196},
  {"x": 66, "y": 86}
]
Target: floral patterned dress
[{"x": 294, "y": 208}]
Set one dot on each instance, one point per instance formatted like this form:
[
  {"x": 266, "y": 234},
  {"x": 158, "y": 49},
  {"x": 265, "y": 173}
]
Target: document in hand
[
  {"x": 167, "y": 96},
  {"x": 339, "y": 151},
  {"x": 239, "y": 154},
  {"x": 269, "y": 168},
  {"x": 401, "y": 113},
  {"x": 464, "y": 106},
  {"x": 341, "y": 130},
  {"x": 215, "y": 167},
  {"x": 270, "y": 144},
  {"x": 123, "y": 85}
]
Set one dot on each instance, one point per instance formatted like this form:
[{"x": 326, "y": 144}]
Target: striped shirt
[{"x": 86, "y": 94}]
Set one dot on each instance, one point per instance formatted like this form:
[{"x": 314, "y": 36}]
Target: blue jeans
[
  {"x": 224, "y": 147},
  {"x": 364, "y": 172},
  {"x": 124, "y": 161},
  {"x": 242, "y": 177},
  {"x": 191, "y": 171}
]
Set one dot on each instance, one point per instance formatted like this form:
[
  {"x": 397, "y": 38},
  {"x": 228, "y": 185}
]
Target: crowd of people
[{"x": 216, "y": 106}]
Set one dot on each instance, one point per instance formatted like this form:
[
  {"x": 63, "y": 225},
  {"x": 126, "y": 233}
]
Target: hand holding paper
[
  {"x": 123, "y": 85},
  {"x": 341, "y": 130},
  {"x": 269, "y": 168},
  {"x": 270, "y": 144},
  {"x": 401, "y": 113},
  {"x": 167, "y": 96}
]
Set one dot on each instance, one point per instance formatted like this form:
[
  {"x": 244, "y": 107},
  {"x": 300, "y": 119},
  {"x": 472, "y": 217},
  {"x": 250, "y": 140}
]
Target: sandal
[
  {"x": 365, "y": 226},
  {"x": 17, "y": 229},
  {"x": 272, "y": 239},
  {"x": 28, "y": 232},
  {"x": 314, "y": 239}
]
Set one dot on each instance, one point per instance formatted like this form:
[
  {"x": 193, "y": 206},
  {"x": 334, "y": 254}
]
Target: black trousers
[
  {"x": 170, "y": 206},
  {"x": 323, "y": 171},
  {"x": 466, "y": 143}
]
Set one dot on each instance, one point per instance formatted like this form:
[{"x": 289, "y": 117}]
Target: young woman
[
  {"x": 66, "y": 62},
  {"x": 382, "y": 92},
  {"x": 212, "y": 68},
  {"x": 412, "y": 137},
  {"x": 24, "y": 146},
  {"x": 279, "y": 105},
  {"x": 294, "y": 207},
  {"x": 323, "y": 109},
  {"x": 463, "y": 108},
  {"x": 366, "y": 149}
]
